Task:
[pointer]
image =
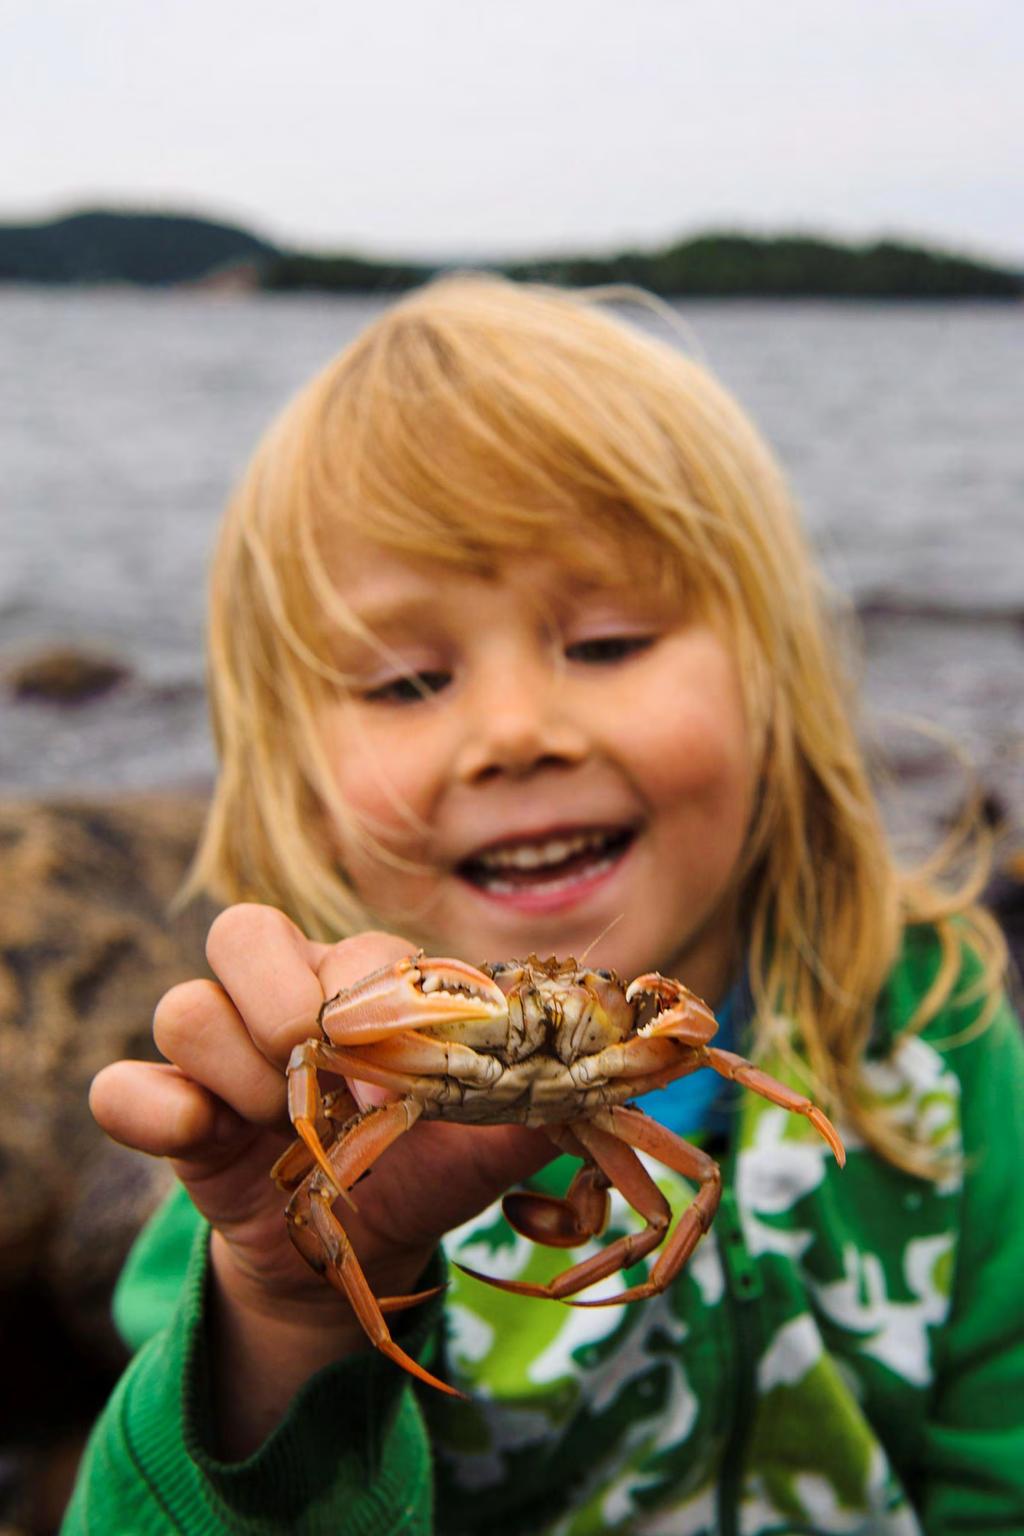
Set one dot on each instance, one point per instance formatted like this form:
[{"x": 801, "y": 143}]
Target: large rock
[{"x": 87, "y": 946}]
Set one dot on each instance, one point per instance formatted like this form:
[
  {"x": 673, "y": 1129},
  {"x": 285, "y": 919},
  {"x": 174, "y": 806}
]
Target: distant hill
[
  {"x": 155, "y": 248},
  {"x": 342, "y": 274},
  {"x": 104, "y": 247},
  {"x": 732, "y": 265},
  {"x": 722, "y": 265}
]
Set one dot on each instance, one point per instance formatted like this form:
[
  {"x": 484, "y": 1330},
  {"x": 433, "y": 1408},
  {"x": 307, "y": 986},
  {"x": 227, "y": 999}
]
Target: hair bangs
[{"x": 450, "y": 433}]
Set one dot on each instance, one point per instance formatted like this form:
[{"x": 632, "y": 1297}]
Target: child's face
[{"x": 581, "y": 760}]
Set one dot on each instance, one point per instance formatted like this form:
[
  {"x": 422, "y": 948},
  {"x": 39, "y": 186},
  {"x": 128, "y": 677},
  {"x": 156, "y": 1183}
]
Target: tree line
[{"x": 98, "y": 246}]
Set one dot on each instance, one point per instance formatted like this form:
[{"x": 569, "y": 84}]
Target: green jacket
[{"x": 844, "y": 1353}]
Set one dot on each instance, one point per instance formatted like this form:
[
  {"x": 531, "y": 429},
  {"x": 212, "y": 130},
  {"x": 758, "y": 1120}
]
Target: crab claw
[
  {"x": 418, "y": 992},
  {"x": 683, "y": 1014}
]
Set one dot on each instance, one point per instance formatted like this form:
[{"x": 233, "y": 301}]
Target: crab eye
[{"x": 604, "y": 975}]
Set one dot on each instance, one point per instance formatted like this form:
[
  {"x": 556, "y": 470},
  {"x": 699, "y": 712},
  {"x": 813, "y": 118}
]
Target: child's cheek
[
  {"x": 695, "y": 752},
  {"x": 372, "y": 776}
]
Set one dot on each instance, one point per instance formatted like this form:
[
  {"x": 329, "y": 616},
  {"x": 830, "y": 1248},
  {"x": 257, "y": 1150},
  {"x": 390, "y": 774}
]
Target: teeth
[
  {"x": 559, "y": 883},
  {"x": 536, "y": 855}
]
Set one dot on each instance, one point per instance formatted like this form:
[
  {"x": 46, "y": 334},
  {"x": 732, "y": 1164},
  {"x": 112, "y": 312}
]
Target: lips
[{"x": 546, "y": 861}]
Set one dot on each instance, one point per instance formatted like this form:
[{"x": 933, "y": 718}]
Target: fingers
[
  {"x": 228, "y": 1042},
  {"x": 199, "y": 1029},
  {"x": 267, "y": 967},
  {"x": 152, "y": 1108},
  {"x": 342, "y": 965},
  {"x": 278, "y": 979}
]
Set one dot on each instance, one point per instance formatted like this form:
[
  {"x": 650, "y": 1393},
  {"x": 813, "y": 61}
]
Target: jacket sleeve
[
  {"x": 352, "y": 1453},
  {"x": 974, "y": 1448}
]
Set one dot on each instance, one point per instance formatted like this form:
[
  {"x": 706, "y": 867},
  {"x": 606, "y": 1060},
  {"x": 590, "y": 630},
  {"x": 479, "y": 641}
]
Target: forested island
[
  {"x": 162, "y": 249},
  {"x": 150, "y": 249}
]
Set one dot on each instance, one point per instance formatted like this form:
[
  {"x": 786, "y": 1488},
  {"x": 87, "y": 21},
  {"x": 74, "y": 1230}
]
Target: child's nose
[{"x": 522, "y": 724}]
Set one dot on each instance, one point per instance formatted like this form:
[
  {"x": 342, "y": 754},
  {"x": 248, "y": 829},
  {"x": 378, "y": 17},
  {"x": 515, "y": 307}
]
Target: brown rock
[
  {"x": 65, "y": 675},
  {"x": 87, "y": 946}
]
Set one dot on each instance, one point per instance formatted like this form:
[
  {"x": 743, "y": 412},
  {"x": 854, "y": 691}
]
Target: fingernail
[{"x": 369, "y": 1095}]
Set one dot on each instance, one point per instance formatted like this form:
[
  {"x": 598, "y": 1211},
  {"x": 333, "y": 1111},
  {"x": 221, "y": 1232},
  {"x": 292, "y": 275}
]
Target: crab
[{"x": 546, "y": 1043}]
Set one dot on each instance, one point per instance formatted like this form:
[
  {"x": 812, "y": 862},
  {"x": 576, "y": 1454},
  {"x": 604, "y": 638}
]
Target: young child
[{"x": 516, "y": 646}]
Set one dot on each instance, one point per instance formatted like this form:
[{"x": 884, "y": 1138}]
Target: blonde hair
[{"x": 472, "y": 419}]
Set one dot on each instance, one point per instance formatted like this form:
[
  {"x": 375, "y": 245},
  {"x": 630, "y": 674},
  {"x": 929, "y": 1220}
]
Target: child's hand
[{"x": 217, "y": 1109}]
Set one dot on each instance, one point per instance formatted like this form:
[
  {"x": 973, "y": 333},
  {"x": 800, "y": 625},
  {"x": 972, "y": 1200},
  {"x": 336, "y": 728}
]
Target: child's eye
[
  {"x": 410, "y": 688},
  {"x": 605, "y": 649}
]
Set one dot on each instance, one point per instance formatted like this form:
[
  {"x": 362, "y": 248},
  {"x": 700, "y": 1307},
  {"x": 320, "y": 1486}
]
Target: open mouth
[{"x": 549, "y": 864}]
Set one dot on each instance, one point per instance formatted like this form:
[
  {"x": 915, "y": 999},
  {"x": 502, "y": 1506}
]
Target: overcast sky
[{"x": 453, "y": 128}]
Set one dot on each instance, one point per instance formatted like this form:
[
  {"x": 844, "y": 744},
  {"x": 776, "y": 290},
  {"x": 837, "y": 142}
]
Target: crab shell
[{"x": 532, "y": 1041}]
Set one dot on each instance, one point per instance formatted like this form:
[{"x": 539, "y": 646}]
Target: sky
[{"x": 446, "y": 129}]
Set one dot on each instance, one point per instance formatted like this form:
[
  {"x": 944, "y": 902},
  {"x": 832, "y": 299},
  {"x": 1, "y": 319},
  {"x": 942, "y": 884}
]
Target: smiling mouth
[{"x": 547, "y": 864}]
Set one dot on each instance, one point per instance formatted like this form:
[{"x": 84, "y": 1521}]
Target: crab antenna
[{"x": 605, "y": 931}]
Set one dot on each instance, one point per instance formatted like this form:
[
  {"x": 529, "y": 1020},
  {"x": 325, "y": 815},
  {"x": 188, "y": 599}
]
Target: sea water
[{"x": 126, "y": 416}]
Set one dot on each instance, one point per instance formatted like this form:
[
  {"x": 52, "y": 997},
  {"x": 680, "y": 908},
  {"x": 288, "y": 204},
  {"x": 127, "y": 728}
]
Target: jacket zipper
[{"x": 743, "y": 1284}]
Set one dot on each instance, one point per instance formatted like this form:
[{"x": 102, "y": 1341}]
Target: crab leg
[
  {"x": 306, "y": 1105},
  {"x": 640, "y": 1060},
  {"x": 619, "y": 1064},
  {"x": 738, "y": 1070},
  {"x": 321, "y": 1239},
  {"x": 357, "y": 1147},
  {"x": 296, "y": 1161},
  {"x": 413, "y": 1053},
  {"x": 689, "y": 1020},
  {"x": 621, "y": 1167},
  {"x": 640, "y": 1131}
]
